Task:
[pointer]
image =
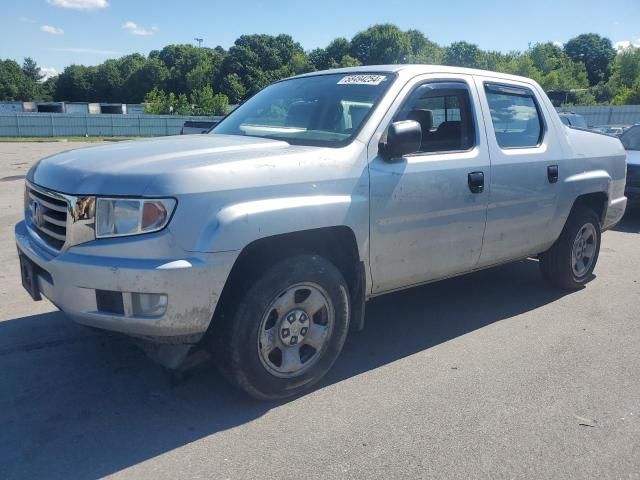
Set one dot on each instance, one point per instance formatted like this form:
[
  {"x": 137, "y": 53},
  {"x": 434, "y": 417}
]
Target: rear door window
[{"x": 515, "y": 114}]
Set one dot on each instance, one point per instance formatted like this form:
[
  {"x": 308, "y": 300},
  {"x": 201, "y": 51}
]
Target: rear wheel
[
  {"x": 570, "y": 262},
  {"x": 287, "y": 329}
]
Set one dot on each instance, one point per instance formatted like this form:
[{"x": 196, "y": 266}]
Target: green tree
[
  {"x": 206, "y": 103},
  {"x": 76, "y": 84},
  {"x": 32, "y": 70},
  {"x": 108, "y": 83},
  {"x": 501, "y": 62},
  {"x": 155, "y": 102},
  {"x": 20, "y": 83},
  {"x": 626, "y": 67},
  {"x": 318, "y": 58},
  {"x": 348, "y": 61},
  {"x": 152, "y": 74},
  {"x": 336, "y": 55},
  {"x": 202, "y": 100},
  {"x": 381, "y": 44},
  {"x": 300, "y": 63},
  {"x": 48, "y": 89},
  {"x": 465, "y": 54},
  {"x": 233, "y": 87},
  {"x": 595, "y": 52},
  {"x": 220, "y": 104},
  {"x": 423, "y": 50},
  {"x": 258, "y": 60},
  {"x": 201, "y": 75},
  {"x": 129, "y": 64},
  {"x": 628, "y": 95},
  {"x": 192, "y": 75},
  {"x": 546, "y": 56},
  {"x": 12, "y": 80},
  {"x": 336, "y": 52},
  {"x": 181, "y": 105}
]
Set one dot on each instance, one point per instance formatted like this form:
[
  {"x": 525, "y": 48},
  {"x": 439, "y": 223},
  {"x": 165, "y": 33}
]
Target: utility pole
[{"x": 199, "y": 40}]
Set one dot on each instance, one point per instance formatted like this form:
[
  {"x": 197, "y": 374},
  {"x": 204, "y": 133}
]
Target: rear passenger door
[
  {"x": 427, "y": 219},
  {"x": 527, "y": 167}
]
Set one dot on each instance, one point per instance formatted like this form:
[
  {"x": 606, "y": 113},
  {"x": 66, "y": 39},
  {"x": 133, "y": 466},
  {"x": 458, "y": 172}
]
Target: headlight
[{"x": 117, "y": 217}]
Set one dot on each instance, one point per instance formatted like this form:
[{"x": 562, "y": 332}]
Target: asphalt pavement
[{"x": 489, "y": 375}]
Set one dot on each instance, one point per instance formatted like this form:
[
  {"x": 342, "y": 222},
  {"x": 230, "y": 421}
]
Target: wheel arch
[
  {"x": 597, "y": 201},
  {"x": 337, "y": 244}
]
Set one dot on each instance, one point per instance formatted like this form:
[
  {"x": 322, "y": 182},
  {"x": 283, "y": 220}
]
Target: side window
[
  {"x": 444, "y": 112},
  {"x": 515, "y": 115}
]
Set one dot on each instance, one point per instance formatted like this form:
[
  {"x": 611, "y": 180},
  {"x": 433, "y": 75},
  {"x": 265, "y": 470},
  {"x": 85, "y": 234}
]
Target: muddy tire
[{"x": 286, "y": 330}]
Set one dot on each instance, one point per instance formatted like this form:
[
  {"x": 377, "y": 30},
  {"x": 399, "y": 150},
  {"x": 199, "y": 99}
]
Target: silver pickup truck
[{"x": 262, "y": 241}]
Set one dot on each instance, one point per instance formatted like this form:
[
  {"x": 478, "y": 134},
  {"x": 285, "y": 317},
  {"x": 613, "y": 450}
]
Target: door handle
[
  {"x": 476, "y": 182},
  {"x": 552, "y": 173}
]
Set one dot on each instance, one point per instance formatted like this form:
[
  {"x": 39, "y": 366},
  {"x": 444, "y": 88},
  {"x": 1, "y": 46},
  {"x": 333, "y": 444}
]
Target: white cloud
[
  {"x": 79, "y": 4},
  {"x": 93, "y": 51},
  {"x": 48, "y": 72},
  {"x": 558, "y": 43},
  {"x": 623, "y": 44},
  {"x": 136, "y": 29},
  {"x": 52, "y": 30}
]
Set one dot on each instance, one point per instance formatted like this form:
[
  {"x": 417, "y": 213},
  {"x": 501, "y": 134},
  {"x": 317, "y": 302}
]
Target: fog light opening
[{"x": 148, "y": 304}]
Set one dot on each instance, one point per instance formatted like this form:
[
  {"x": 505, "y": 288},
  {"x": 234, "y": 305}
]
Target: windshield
[
  {"x": 631, "y": 138},
  {"x": 326, "y": 110}
]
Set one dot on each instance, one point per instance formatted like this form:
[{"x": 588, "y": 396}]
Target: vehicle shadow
[
  {"x": 77, "y": 403},
  {"x": 630, "y": 223}
]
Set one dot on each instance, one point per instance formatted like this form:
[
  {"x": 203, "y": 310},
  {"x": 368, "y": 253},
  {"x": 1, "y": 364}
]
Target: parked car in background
[
  {"x": 573, "y": 120},
  {"x": 615, "y": 130},
  {"x": 263, "y": 240},
  {"x": 631, "y": 141},
  {"x": 197, "y": 126}
]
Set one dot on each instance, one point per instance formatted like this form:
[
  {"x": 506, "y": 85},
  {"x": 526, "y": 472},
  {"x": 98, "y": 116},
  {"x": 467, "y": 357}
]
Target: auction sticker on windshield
[{"x": 362, "y": 80}]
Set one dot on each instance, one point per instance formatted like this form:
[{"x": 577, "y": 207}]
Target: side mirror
[{"x": 403, "y": 137}]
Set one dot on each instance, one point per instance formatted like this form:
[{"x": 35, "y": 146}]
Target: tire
[
  {"x": 287, "y": 330},
  {"x": 558, "y": 265}
]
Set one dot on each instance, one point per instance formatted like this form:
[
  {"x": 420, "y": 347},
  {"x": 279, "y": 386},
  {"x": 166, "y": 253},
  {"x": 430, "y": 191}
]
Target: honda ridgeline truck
[{"x": 263, "y": 240}]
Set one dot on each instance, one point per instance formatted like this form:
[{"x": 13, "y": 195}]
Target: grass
[{"x": 64, "y": 139}]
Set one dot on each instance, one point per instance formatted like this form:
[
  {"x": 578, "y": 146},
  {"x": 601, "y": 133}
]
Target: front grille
[{"x": 46, "y": 214}]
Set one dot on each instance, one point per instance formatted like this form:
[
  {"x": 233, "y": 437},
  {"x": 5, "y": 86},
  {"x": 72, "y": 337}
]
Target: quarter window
[
  {"x": 515, "y": 115},
  {"x": 443, "y": 110}
]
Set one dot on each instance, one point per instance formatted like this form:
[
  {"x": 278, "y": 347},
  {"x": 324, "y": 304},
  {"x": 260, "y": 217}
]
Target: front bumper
[{"x": 192, "y": 284}]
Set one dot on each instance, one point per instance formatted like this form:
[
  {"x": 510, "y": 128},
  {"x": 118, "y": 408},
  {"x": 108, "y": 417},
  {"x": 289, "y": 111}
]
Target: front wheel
[
  {"x": 288, "y": 328},
  {"x": 569, "y": 263}
]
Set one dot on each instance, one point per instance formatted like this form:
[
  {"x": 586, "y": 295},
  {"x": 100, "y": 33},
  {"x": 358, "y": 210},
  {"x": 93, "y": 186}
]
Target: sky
[{"x": 57, "y": 33}]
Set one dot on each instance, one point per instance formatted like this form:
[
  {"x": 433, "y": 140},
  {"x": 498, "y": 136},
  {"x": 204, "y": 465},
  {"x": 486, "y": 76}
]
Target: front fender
[{"x": 240, "y": 224}]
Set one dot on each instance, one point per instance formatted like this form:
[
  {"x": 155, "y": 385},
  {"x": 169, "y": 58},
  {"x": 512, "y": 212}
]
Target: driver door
[{"x": 426, "y": 222}]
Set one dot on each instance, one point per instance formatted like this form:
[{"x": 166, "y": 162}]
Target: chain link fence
[
  {"x": 85, "y": 125},
  {"x": 607, "y": 115},
  {"x": 100, "y": 125}
]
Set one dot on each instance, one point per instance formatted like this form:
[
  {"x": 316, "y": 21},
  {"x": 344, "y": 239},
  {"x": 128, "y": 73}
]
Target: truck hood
[{"x": 159, "y": 165}]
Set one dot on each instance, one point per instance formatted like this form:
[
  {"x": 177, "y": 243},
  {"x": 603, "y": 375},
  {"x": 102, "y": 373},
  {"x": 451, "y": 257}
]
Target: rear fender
[{"x": 575, "y": 186}]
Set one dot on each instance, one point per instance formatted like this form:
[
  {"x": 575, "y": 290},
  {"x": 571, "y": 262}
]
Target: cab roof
[{"x": 411, "y": 70}]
